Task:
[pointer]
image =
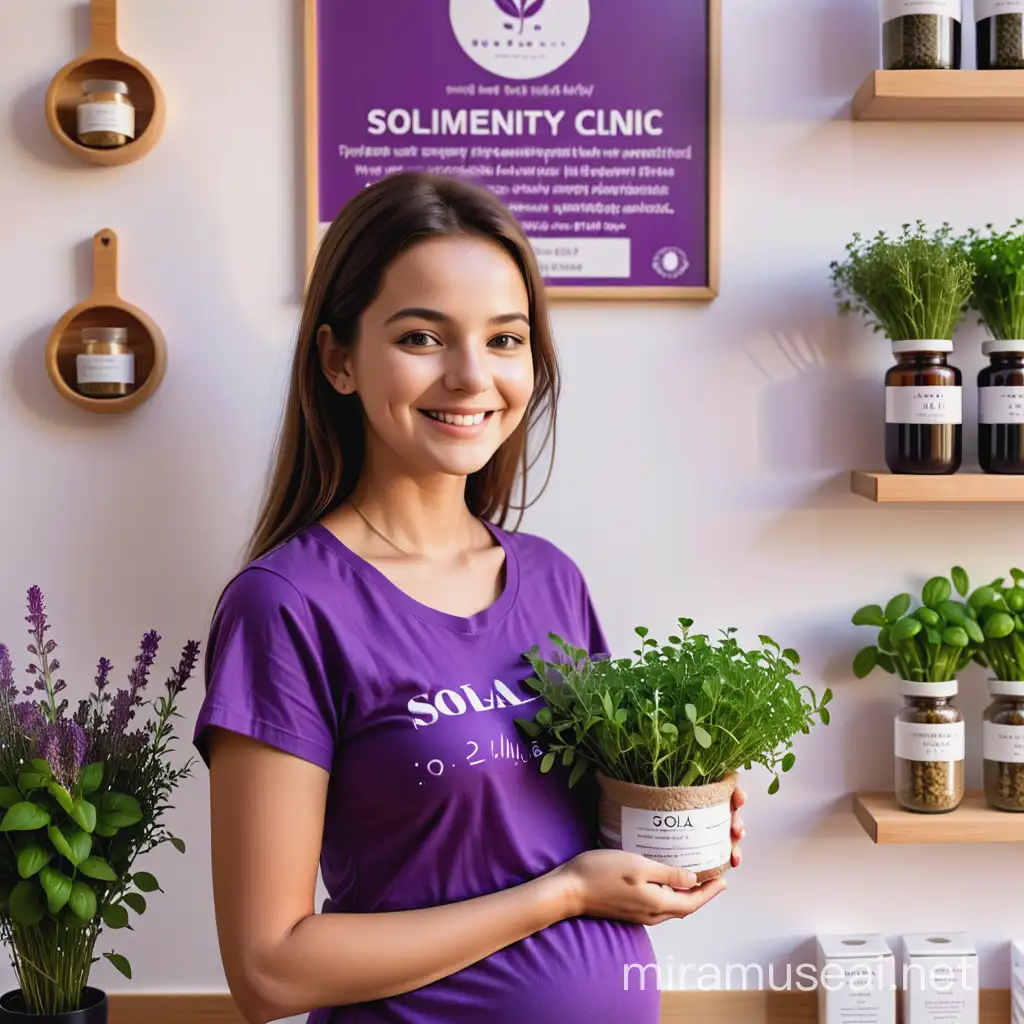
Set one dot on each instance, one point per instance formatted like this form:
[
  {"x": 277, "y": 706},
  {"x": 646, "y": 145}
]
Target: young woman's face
[{"x": 442, "y": 362}]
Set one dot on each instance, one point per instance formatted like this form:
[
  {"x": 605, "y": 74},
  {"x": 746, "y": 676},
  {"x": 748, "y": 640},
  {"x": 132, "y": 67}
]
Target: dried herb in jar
[
  {"x": 921, "y": 35},
  {"x": 1001, "y": 42}
]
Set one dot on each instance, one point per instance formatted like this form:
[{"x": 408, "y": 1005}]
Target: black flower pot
[{"x": 93, "y": 1011}]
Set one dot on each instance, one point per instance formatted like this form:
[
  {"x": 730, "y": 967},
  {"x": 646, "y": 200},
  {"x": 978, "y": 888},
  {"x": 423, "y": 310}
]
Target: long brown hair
[{"x": 321, "y": 446}]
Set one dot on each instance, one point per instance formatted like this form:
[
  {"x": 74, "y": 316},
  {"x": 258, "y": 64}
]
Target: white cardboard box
[
  {"x": 856, "y": 980},
  {"x": 940, "y": 978}
]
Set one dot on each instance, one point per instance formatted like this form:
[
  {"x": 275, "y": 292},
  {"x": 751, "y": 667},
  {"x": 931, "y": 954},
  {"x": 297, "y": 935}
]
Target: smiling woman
[{"x": 365, "y": 669}]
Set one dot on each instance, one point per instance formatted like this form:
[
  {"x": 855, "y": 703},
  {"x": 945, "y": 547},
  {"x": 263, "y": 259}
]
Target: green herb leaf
[
  {"x": 120, "y": 963},
  {"x": 32, "y": 859},
  {"x": 91, "y": 777},
  {"x": 9, "y": 796},
  {"x": 869, "y": 615},
  {"x": 24, "y": 817},
  {"x": 84, "y": 813},
  {"x": 578, "y": 771},
  {"x": 702, "y": 736},
  {"x": 690, "y": 711},
  {"x": 960, "y": 580},
  {"x": 825, "y": 716},
  {"x": 62, "y": 796},
  {"x": 905, "y": 629},
  {"x": 997, "y": 626},
  {"x": 774, "y": 787},
  {"x": 98, "y": 868},
  {"x": 136, "y": 901},
  {"x": 897, "y": 608},
  {"x": 545, "y": 763},
  {"x": 26, "y": 904},
  {"x": 865, "y": 661},
  {"x": 82, "y": 901},
  {"x": 935, "y": 591},
  {"x": 57, "y": 887},
  {"x": 114, "y": 916}
]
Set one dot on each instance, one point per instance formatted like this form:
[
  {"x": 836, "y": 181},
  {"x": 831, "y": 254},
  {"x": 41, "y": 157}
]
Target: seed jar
[
  {"x": 923, "y": 409},
  {"x": 929, "y": 748},
  {"x": 1000, "y": 34},
  {"x": 106, "y": 115},
  {"x": 1003, "y": 745},
  {"x": 106, "y": 365},
  {"x": 921, "y": 35},
  {"x": 1001, "y": 408}
]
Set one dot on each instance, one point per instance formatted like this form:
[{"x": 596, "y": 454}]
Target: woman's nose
[{"x": 466, "y": 371}]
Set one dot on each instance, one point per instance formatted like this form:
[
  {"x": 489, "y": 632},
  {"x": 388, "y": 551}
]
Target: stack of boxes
[{"x": 1017, "y": 982}]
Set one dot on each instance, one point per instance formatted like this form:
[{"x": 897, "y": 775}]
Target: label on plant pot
[
  {"x": 697, "y": 840},
  {"x": 990, "y": 8},
  {"x": 108, "y": 369},
  {"x": 924, "y": 405},
  {"x": 1004, "y": 743},
  {"x": 919, "y": 742},
  {"x": 1001, "y": 404},
  {"x": 900, "y": 8}
]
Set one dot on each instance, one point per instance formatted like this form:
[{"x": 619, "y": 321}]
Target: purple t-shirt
[{"x": 435, "y": 796}]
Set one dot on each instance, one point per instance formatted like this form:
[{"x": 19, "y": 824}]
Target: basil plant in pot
[
  {"x": 914, "y": 288},
  {"x": 82, "y": 797},
  {"x": 666, "y": 733},
  {"x": 925, "y": 647}
]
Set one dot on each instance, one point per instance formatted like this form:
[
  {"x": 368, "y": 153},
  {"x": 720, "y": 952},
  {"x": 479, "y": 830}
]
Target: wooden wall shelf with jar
[
  {"x": 886, "y": 487},
  {"x": 105, "y": 106},
  {"x": 125, "y": 355}
]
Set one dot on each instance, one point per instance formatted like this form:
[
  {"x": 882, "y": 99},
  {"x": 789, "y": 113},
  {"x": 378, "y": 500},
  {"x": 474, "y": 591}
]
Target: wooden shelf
[
  {"x": 972, "y": 822},
  {"x": 940, "y": 96},
  {"x": 900, "y": 487}
]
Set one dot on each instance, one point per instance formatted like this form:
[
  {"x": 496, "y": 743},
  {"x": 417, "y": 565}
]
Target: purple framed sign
[{"x": 595, "y": 121}]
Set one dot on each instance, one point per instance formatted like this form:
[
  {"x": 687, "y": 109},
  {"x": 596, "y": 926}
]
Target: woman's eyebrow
[{"x": 437, "y": 317}]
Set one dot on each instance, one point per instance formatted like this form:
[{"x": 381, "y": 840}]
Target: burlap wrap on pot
[{"x": 642, "y": 819}]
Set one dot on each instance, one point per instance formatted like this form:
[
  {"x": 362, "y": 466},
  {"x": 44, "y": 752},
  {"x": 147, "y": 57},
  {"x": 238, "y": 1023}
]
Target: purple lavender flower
[
  {"x": 8, "y": 687},
  {"x": 64, "y": 746},
  {"x": 102, "y": 674},
  {"x": 36, "y": 617},
  {"x": 121, "y": 714},
  {"x": 521, "y": 10},
  {"x": 29, "y": 718},
  {"x": 181, "y": 675},
  {"x": 139, "y": 675},
  {"x": 81, "y": 716}
]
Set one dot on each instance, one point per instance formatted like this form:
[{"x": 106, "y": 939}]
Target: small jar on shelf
[
  {"x": 929, "y": 748},
  {"x": 105, "y": 368},
  {"x": 923, "y": 409},
  {"x": 1000, "y": 34},
  {"x": 921, "y": 35},
  {"x": 105, "y": 115},
  {"x": 1001, "y": 408},
  {"x": 1003, "y": 745}
]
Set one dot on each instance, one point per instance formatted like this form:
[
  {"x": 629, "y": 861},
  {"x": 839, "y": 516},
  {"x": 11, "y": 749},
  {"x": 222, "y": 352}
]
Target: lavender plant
[
  {"x": 685, "y": 713},
  {"x": 521, "y": 10},
  {"x": 83, "y": 797}
]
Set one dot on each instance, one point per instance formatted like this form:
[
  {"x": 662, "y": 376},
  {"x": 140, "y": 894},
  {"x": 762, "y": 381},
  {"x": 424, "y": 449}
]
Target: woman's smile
[{"x": 462, "y": 424}]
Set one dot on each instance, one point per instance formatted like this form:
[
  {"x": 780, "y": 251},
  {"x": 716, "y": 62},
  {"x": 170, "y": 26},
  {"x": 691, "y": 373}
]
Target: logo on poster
[
  {"x": 520, "y": 39},
  {"x": 671, "y": 262}
]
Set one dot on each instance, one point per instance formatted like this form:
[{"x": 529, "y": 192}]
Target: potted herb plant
[
  {"x": 1000, "y": 610},
  {"x": 666, "y": 733},
  {"x": 914, "y": 288},
  {"x": 925, "y": 648},
  {"x": 82, "y": 797},
  {"x": 998, "y": 296}
]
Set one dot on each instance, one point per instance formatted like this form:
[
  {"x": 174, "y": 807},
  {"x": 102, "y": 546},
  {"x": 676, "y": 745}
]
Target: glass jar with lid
[
  {"x": 923, "y": 409},
  {"x": 1001, "y": 408},
  {"x": 105, "y": 367},
  {"x": 1000, "y": 34},
  {"x": 921, "y": 35},
  {"x": 106, "y": 114},
  {"x": 1003, "y": 745},
  {"x": 929, "y": 748}
]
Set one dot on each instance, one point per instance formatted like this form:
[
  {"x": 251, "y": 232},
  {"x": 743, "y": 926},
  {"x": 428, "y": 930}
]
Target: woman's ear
[{"x": 336, "y": 361}]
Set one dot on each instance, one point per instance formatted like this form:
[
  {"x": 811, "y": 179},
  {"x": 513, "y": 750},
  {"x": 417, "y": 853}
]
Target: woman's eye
[
  {"x": 507, "y": 341},
  {"x": 419, "y": 339}
]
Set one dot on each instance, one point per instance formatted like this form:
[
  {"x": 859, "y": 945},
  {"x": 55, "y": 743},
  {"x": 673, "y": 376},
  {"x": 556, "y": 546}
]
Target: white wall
[{"x": 702, "y": 463}]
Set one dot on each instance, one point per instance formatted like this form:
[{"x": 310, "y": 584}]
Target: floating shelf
[
  {"x": 902, "y": 487},
  {"x": 972, "y": 822},
  {"x": 105, "y": 308},
  {"x": 105, "y": 59},
  {"x": 940, "y": 96}
]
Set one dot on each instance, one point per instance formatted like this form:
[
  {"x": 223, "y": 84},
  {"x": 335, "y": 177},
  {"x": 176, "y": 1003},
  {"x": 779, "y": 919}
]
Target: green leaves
[
  {"x": 869, "y": 615},
  {"x": 24, "y": 817},
  {"x": 82, "y": 901},
  {"x": 91, "y": 777},
  {"x": 84, "y": 813},
  {"x": 897, "y": 608},
  {"x": 114, "y": 915},
  {"x": 865, "y": 661},
  {"x": 32, "y": 859},
  {"x": 26, "y": 904},
  {"x": 98, "y": 868},
  {"x": 120, "y": 963},
  {"x": 57, "y": 887},
  {"x": 935, "y": 591}
]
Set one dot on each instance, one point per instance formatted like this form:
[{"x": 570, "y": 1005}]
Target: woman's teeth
[{"x": 457, "y": 420}]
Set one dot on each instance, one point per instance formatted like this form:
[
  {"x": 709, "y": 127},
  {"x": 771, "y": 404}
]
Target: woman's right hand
[{"x": 630, "y": 887}]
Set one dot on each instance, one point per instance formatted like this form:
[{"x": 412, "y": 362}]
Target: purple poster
[{"x": 591, "y": 119}]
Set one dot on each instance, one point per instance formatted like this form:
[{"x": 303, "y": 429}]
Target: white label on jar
[
  {"x": 927, "y": 404},
  {"x": 989, "y": 8},
  {"x": 1002, "y": 743},
  {"x": 1000, "y": 404},
  {"x": 899, "y": 8},
  {"x": 108, "y": 369},
  {"x": 696, "y": 840},
  {"x": 921, "y": 742},
  {"x": 106, "y": 117}
]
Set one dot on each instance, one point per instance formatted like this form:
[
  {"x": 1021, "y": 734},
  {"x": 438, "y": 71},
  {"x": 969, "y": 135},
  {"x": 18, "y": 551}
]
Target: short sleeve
[{"x": 265, "y": 676}]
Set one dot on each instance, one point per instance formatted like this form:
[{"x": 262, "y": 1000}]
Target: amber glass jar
[
  {"x": 1003, "y": 745},
  {"x": 106, "y": 114},
  {"x": 923, "y": 409},
  {"x": 1001, "y": 408},
  {"x": 921, "y": 35},
  {"x": 1000, "y": 34},
  {"x": 106, "y": 365},
  {"x": 929, "y": 748}
]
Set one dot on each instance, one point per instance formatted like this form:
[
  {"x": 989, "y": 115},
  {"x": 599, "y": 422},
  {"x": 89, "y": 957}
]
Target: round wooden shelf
[
  {"x": 105, "y": 59},
  {"x": 105, "y": 308}
]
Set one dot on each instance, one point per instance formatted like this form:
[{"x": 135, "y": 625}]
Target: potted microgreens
[
  {"x": 667, "y": 732},
  {"x": 925, "y": 648},
  {"x": 81, "y": 798},
  {"x": 999, "y": 607},
  {"x": 998, "y": 296},
  {"x": 914, "y": 288}
]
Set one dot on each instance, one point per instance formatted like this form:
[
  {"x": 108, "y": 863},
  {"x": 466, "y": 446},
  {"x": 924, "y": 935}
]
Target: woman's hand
[
  {"x": 630, "y": 887},
  {"x": 739, "y": 798}
]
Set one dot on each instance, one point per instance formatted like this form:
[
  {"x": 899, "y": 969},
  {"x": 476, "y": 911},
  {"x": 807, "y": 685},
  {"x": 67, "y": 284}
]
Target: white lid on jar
[
  {"x": 1006, "y": 688},
  {"x": 111, "y": 335},
  {"x": 910, "y": 688},
  {"x": 1000, "y": 345},
  {"x": 105, "y": 85},
  {"x": 923, "y": 345}
]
